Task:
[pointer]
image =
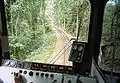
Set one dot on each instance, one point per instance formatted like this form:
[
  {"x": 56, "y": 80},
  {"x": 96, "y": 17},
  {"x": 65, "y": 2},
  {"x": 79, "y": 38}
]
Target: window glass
[
  {"x": 40, "y": 30},
  {"x": 109, "y": 58}
]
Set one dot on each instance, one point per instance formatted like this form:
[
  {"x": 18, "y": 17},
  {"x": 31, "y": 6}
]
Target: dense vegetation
[
  {"x": 30, "y": 25},
  {"x": 73, "y": 14},
  {"x": 111, "y": 38},
  {"x": 28, "y": 29}
]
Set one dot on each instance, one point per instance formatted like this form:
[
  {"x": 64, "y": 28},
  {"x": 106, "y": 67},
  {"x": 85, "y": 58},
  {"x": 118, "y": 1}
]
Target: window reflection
[{"x": 110, "y": 45}]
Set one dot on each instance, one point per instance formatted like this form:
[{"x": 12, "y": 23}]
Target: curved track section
[{"x": 62, "y": 48}]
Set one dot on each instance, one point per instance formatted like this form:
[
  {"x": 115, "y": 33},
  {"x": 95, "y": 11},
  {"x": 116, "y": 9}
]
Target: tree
[
  {"x": 26, "y": 24},
  {"x": 69, "y": 14}
]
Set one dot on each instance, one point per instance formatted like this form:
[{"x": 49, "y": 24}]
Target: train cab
[{"x": 59, "y": 41}]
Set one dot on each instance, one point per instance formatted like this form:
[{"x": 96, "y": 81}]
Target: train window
[
  {"x": 41, "y": 30},
  {"x": 109, "y": 58}
]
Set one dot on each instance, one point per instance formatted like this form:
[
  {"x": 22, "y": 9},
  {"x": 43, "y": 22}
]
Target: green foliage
[
  {"x": 27, "y": 27},
  {"x": 68, "y": 11},
  {"x": 42, "y": 53},
  {"x": 111, "y": 38},
  {"x": 108, "y": 16}
]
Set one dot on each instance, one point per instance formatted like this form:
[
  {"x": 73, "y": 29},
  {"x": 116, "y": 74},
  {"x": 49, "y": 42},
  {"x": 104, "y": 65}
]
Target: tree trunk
[
  {"x": 43, "y": 18},
  {"x": 77, "y": 25}
]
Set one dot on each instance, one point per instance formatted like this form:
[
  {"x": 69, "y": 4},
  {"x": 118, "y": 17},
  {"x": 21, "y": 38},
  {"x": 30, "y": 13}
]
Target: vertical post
[
  {"x": 77, "y": 25},
  {"x": 95, "y": 27},
  {"x": 4, "y": 37},
  {"x": 0, "y": 37}
]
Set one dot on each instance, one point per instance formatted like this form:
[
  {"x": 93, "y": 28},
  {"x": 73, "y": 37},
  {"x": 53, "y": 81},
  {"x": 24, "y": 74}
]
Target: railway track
[{"x": 62, "y": 48}]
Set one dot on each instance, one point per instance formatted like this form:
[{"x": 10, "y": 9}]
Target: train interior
[{"x": 86, "y": 61}]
